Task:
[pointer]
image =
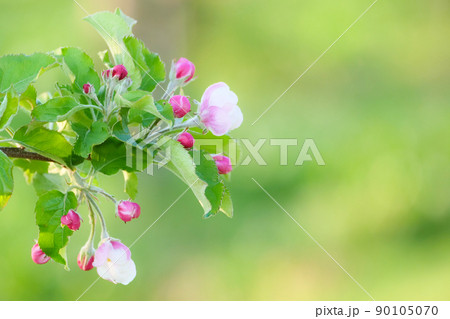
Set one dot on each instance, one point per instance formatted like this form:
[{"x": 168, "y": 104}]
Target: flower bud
[
  {"x": 72, "y": 220},
  {"x": 184, "y": 69},
  {"x": 127, "y": 210},
  {"x": 87, "y": 88},
  {"x": 180, "y": 105},
  {"x": 119, "y": 71},
  {"x": 38, "y": 256},
  {"x": 223, "y": 164},
  {"x": 186, "y": 139},
  {"x": 106, "y": 74},
  {"x": 86, "y": 258}
]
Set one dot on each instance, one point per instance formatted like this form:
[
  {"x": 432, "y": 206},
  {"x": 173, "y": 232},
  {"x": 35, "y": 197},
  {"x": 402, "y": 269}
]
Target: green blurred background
[{"x": 376, "y": 105}]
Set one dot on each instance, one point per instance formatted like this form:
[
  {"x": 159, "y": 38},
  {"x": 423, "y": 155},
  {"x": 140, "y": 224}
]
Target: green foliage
[
  {"x": 58, "y": 109},
  {"x": 53, "y": 237},
  {"x": 131, "y": 184},
  {"x": 6, "y": 179},
  {"x": 96, "y": 134},
  {"x": 8, "y": 108},
  {"x": 81, "y": 68},
  {"x": 118, "y": 126},
  {"x": 45, "y": 142},
  {"x": 21, "y": 70}
]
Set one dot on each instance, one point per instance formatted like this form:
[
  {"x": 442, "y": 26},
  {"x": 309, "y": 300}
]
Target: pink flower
[
  {"x": 180, "y": 105},
  {"x": 71, "y": 220},
  {"x": 85, "y": 260},
  {"x": 38, "y": 256},
  {"x": 120, "y": 71},
  {"x": 127, "y": 210},
  {"x": 184, "y": 69},
  {"x": 87, "y": 88},
  {"x": 114, "y": 263},
  {"x": 219, "y": 111},
  {"x": 223, "y": 164},
  {"x": 186, "y": 139}
]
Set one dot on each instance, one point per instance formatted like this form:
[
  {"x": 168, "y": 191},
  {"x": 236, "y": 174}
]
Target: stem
[
  {"x": 168, "y": 129},
  {"x": 100, "y": 215},
  {"x": 92, "y": 221}
]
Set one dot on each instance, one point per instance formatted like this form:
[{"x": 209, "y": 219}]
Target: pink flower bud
[
  {"x": 223, "y": 164},
  {"x": 127, "y": 210},
  {"x": 38, "y": 256},
  {"x": 186, "y": 139},
  {"x": 72, "y": 220},
  {"x": 184, "y": 69},
  {"x": 180, "y": 105},
  {"x": 87, "y": 88},
  {"x": 119, "y": 71},
  {"x": 85, "y": 261},
  {"x": 106, "y": 73}
]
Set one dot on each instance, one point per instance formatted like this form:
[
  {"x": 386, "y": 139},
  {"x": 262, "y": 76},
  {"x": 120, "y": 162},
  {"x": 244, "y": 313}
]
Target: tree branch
[{"x": 16, "y": 152}]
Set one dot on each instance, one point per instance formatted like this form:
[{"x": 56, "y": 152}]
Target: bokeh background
[{"x": 376, "y": 105}]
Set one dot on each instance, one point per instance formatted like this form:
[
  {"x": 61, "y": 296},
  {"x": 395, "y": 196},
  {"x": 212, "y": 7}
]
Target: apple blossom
[
  {"x": 180, "y": 105},
  {"x": 219, "y": 111},
  {"x": 119, "y": 71},
  {"x": 114, "y": 263},
  {"x": 184, "y": 69},
  {"x": 127, "y": 210},
  {"x": 38, "y": 256},
  {"x": 186, "y": 139},
  {"x": 72, "y": 220},
  {"x": 223, "y": 164}
]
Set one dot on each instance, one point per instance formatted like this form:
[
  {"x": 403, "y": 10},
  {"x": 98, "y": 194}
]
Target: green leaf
[
  {"x": 145, "y": 103},
  {"x": 131, "y": 184},
  {"x": 114, "y": 27},
  {"x": 43, "y": 141},
  {"x": 8, "y": 108},
  {"x": 88, "y": 137},
  {"x": 206, "y": 170},
  {"x": 114, "y": 155},
  {"x": 58, "y": 109},
  {"x": 81, "y": 67},
  {"x": 212, "y": 144},
  {"x": 148, "y": 63},
  {"x": 44, "y": 182},
  {"x": 27, "y": 99},
  {"x": 20, "y": 70},
  {"x": 50, "y": 207},
  {"x": 182, "y": 165},
  {"x": 6, "y": 179},
  {"x": 31, "y": 167},
  {"x": 227, "y": 203}
]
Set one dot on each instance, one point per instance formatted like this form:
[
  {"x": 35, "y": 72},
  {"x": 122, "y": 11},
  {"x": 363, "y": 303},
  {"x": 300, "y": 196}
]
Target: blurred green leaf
[
  {"x": 8, "y": 108},
  {"x": 20, "y": 70},
  {"x": 28, "y": 98},
  {"x": 31, "y": 167},
  {"x": 131, "y": 184},
  {"x": 45, "y": 182}
]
